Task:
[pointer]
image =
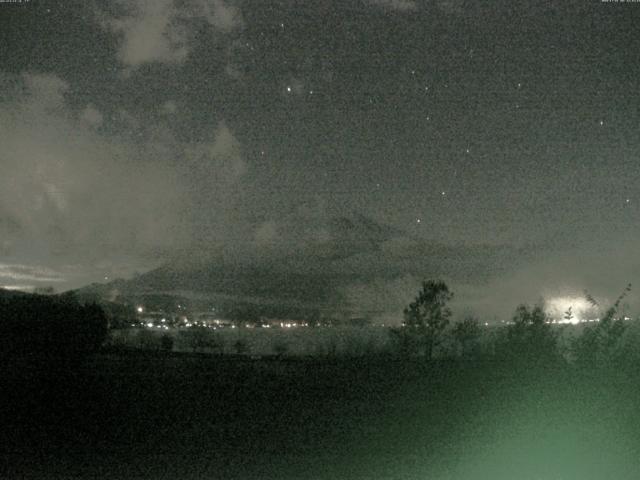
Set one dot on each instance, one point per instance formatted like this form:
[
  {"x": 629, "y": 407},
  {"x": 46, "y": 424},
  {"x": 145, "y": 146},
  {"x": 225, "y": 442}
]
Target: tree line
[
  {"x": 530, "y": 337},
  {"x": 58, "y": 328},
  {"x": 49, "y": 329}
]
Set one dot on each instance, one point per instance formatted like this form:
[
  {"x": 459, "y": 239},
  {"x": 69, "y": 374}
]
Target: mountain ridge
[{"x": 316, "y": 271}]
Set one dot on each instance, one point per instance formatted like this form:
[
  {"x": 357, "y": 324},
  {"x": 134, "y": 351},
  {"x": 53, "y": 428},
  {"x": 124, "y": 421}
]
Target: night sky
[{"x": 133, "y": 131}]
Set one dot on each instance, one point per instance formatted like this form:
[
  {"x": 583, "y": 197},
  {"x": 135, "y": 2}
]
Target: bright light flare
[{"x": 581, "y": 309}]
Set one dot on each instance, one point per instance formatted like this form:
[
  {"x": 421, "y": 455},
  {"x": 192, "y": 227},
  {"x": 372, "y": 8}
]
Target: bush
[
  {"x": 241, "y": 346},
  {"x": 404, "y": 342},
  {"x": 599, "y": 344},
  {"x": 202, "y": 338},
  {"x": 147, "y": 340},
  {"x": 166, "y": 342},
  {"x": 280, "y": 347}
]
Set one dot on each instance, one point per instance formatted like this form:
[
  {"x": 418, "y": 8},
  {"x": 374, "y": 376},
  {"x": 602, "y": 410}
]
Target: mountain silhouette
[{"x": 311, "y": 262}]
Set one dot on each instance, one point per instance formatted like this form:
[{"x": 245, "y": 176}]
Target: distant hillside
[{"x": 4, "y": 293}]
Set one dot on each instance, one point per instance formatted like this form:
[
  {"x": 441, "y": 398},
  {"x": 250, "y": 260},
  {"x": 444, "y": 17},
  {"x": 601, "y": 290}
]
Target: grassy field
[
  {"x": 262, "y": 341},
  {"x": 179, "y": 416}
]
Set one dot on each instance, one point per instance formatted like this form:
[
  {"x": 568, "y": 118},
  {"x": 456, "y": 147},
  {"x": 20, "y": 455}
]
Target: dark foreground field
[{"x": 125, "y": 416}]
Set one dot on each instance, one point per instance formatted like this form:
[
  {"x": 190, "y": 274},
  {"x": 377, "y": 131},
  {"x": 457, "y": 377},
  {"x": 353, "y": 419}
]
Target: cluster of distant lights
[
  {"x": 185, "y": 324},
  {"x": 152, "y": 325},
  {"x": 188, "y": 324},
  {"x": 555, "y": 308},
  {"x": 214, "y": 325}
]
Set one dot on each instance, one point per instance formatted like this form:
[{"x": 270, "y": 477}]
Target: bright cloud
[
  {"x": 68, "y": 190},
  {"x": 162, "y": 30}
]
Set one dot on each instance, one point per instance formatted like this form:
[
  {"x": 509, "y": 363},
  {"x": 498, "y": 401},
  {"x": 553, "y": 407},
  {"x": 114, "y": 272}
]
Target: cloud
[
  {"x": 129, "y": 193},
  {"x": 215, "y": 168},
  {"x": 383, "y": 299},
  {"x": 69, "y": 192},
  {"x": 219, "y": 160},
  {"x": 47, "y": 91},
  {"x": 233, "y": 71},
  {"x": 28, "y": 273},
  {"x": 148, "y": 34},
  {"x": 92, "y": 116},
  {"x": 169, "y": 107},
  {"x": 451, "y": 7},
  {"x": 397, "y": 5},
  {"x": 162, "y": 31},
  {"x": 267, "y": 234},
  {"x": 220, "y": 14},
  {"x": 603, "y": 272}
]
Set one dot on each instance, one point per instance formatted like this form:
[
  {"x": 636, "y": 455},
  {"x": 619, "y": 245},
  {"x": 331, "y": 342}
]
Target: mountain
[
  {"x": 6, "y": 294},
  {"x": 311, "y": 263}
]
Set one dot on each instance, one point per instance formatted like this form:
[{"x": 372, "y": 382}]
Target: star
[
  {"x": 444, "y": 193},
  {"x": 601, "y": 122},
  {"x": 289, "y": 89},
  {"x": 418, "y": 220}
]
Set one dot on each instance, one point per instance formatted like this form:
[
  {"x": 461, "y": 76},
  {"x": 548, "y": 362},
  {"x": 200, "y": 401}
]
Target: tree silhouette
[
  {"x": 597, "y": 343},
  {"x": 530, "y": 338},
  {"x": 426, "y": 318},
  {"x": 467, "y": 334}
]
